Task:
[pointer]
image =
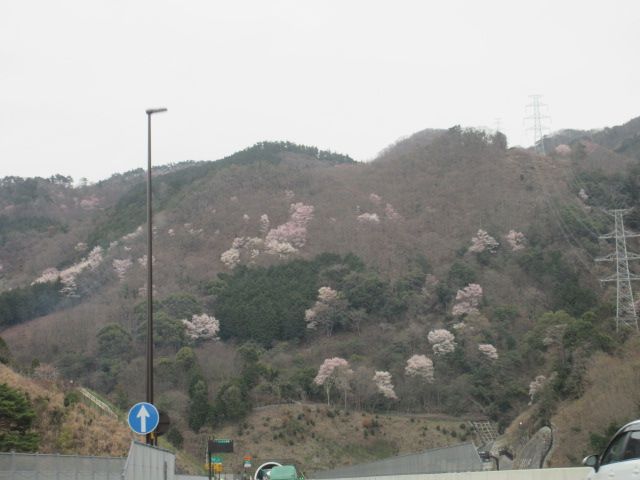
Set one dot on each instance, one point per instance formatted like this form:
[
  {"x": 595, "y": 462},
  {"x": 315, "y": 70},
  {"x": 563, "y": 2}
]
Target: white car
[{"x": 621, "y": 458}]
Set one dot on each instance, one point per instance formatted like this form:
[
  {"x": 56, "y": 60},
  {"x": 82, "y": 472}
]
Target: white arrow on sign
[{"x": 143, "y": 415}]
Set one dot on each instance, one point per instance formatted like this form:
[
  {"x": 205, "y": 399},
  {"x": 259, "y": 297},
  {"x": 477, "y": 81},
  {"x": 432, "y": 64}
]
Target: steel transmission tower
[
  {"x": 538, "y": 119},
  {"x": 626, "y": 315}
]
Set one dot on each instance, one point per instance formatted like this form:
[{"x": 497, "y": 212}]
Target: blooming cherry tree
[
  {"x": 535, "y": 386},
  {"x": 483, "y": 241},
  {"x": 121, "y": 266},
  {"x": 68, "y": 276},
  {"x": 264, "y": 223},
  {"x": 326, "y": 311},
  {"x": 488, "y": 350},
  {"x": 375, "y": 199},
  {"x": 275, "y": 247},
  {"x": 202, "y": 327},
  {"x": 467, "y": 300},
  {"x": 49, "y": 275},
  {"x": 231, "y": 258},
  {"x": 292, "y": 235},
  {"x": 391, "y": 212},
  {"x": 563, "y": 150},
  {"x": 332, "y": 371},
  {"x": 384, "y": 385},
  {"x": 143, "y": 260},
  {"x": 442, "y": 341},
  {"x": 420, "y": 366},
  {"x": 370, "y": 218},
  {"x": 583, "y": 195},
  {"x": 301, "y": 214},
  {"x": 133, "y": 235},
  {"x": 516, "y": 240}
]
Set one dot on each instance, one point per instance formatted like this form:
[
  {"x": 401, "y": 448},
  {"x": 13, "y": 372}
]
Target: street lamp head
[{"x": 151, "y": 111}]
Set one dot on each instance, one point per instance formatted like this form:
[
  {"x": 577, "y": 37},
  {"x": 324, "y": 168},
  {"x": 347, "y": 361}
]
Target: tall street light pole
[{"x": 150, "y": 438}]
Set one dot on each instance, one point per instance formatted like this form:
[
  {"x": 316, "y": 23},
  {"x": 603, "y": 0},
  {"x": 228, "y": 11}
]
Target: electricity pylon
[
  {"x": 626, "y": 315},
  {"x": 538, "y": 126}
]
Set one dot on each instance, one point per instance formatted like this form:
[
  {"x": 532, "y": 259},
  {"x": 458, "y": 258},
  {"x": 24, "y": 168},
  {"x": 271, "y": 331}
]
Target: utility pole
[
  {"x": 538, "y": 126},
  {"x": 150, "y": 437},
  {"x": 626, "y": 315}
]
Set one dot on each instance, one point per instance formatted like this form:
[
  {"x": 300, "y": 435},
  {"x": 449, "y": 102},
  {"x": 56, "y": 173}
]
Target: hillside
[
  {"x": 317, "y": 437},
  {"x": 434, "y": 275},
  {"x": 621, "y": 139},
  {"x": 63, "y": 423}
]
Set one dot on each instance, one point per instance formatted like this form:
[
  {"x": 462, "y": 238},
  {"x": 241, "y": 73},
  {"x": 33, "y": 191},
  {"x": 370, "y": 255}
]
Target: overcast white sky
[{"x": 347, "y": 75}]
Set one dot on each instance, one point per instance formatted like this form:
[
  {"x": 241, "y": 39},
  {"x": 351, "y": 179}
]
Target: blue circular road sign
[{"x": 143, "y": 418}]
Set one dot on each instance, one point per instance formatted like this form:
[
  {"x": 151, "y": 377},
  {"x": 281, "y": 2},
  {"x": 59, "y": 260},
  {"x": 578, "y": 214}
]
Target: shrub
[
  {"x": 71, "y": 398},
  {"x": 175, "y": 437}
]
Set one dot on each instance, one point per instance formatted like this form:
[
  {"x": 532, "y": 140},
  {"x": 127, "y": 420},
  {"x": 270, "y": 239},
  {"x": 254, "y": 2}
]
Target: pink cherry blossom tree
[
  {"x": 583, "y": 195},
  {"x": 375, "y": 198},
  {"x": 329, "y": 311},
  {"x": 121, "y": 266},
  {"x": 467, "y": 300},
  {"x": 563, "y": 150},
  {"x": 68, "y": 276},
  {"x": 420, "y": 367},
  {"x": 442, "y": 341},
  {"x": 133, "y": 235},
  {"x": 264, "y": 223},
  {"x": 391, "y": 212},
  {"x": 368, "y": 218},
  {"x": 516, "y": 240},
  {"x": 488, "y": 350},
  {"x": 384, "y": 385},
  {"x": 202, "y": 327},
  {"x": 292, "y": 235},
  {"x": 230, "y": 258},
  {"x": 334, "y": 371},
  {"x": 536, "y": 386},
  {"x": 483, "y": 241}
]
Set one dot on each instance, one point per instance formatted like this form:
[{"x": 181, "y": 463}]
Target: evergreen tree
[{"x": 16, "y": 421}]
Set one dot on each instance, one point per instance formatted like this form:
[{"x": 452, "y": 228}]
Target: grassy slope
[
  {"x": 76, "y": 429},
  {"x": 316, "y": 437}
]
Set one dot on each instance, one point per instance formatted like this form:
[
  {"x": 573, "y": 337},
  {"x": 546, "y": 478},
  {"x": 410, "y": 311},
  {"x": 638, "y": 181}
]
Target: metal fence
[{"x": 26, "y": 466}]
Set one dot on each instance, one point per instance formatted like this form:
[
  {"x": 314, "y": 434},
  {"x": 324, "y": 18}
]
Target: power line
[{"x": 626, "y": 315}]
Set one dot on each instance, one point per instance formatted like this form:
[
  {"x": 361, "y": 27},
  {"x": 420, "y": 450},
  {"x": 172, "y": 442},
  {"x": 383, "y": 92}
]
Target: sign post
[
  {"x": 246, "y": 466},
  {"x": 218, "y": 445}
]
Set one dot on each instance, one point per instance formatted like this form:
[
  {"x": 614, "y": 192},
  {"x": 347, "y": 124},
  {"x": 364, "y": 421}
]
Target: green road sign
[{"x": 221, "y": 445}]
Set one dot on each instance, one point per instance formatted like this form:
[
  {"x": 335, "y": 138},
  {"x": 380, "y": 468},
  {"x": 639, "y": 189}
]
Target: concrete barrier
[
  {"x": 149, "y": 463},
  {"x": 577, "y": 473}
]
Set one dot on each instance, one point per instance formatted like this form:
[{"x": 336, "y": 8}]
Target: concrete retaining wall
[{"x": 577, "y": 473}]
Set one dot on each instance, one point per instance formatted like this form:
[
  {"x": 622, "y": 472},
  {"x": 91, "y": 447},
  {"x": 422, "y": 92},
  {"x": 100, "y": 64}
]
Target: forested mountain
[{"x": 452, "y": 275}]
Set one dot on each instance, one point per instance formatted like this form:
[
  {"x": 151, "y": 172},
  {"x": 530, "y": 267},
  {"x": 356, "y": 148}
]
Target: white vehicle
[{"x": 621, "y": 458}]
